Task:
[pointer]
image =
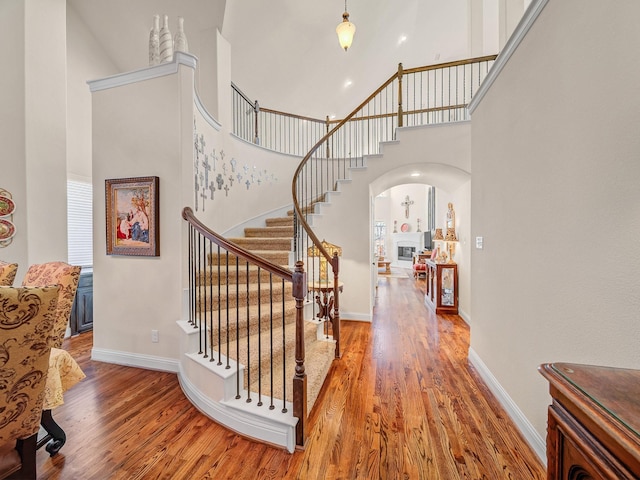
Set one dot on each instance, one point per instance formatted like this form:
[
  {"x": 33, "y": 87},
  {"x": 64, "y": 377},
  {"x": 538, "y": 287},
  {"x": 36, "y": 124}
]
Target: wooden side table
[
  {"x": 593, "y": 430},
  {"x": 441, "y": 290}
]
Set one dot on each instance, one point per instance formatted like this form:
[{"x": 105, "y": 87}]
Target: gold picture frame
[{"x": 133, "y": 216}]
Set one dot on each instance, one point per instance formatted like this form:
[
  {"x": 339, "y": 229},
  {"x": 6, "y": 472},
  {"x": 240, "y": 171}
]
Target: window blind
[{"x": 80, "y": 223}]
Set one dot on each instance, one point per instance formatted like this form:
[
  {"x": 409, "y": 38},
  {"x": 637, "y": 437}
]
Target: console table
[
  {"x": 593, "y": 430},
  {"x": 441, "y": 291}
]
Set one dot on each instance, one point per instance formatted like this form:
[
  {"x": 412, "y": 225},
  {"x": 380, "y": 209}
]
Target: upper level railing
[
  {"x": 415, "y": 96},
  {"x": 272, "y": 129}
]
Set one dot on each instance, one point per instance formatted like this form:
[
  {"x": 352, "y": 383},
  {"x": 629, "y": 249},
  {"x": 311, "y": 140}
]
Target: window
[
  {"x": 80, "y": 223},
  {"x": 380, "y": 233}
]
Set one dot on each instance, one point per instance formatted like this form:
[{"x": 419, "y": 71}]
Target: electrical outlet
[
  {"x": 479, "y": 242},
  {"x": 155, "y": 336}
]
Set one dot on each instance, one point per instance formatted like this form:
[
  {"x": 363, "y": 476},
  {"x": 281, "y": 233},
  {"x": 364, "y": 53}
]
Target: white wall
[
  {"x": 33, "y": 121},
  {"x": 269, "y": 175},
  {"x": 127, "y": 289},
  {"x": 555, "y": 150},
  {"x": 86, "y": 60},
  {"x": 12, "y": 127}
]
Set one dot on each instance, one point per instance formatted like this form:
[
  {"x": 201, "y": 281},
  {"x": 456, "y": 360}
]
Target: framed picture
[{"x": 133, "y": 213}]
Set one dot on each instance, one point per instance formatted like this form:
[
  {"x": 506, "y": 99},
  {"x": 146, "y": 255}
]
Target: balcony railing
[{"x": 416, "y": 96}]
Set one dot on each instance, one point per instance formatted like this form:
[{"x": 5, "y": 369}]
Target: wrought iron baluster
[
  {"x": 259, "y": 340},
  {"x": 271, "y": 406}
]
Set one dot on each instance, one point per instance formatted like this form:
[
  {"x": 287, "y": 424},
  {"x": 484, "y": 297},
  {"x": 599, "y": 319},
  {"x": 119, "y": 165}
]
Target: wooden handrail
[
  {"x": 457, "y": 63},
  {"x": 291, "y": 115},
  {"x": 296, "y": 206}
]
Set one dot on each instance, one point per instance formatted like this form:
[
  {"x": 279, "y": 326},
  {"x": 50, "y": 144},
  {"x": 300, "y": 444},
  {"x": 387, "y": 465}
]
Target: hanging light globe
[{"x": 345, "y": 30}]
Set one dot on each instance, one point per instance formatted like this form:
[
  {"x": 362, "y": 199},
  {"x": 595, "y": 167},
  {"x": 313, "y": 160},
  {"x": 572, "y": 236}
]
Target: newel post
[
  {"x": 335, "y": 263},
  {"x": 400, "y": 72},
  {"x": 300, "y": 377},
  {"x": 256, "y": 113}
]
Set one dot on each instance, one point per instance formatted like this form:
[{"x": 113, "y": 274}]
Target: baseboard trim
[
  {"x": 360, "y": 317},
  {"x": 148, "y": 362},
  {"x": 530, "y": 434},
  {"x": 465, "y": 316}
]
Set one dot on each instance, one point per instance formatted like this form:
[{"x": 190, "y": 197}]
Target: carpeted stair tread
[
  {"x": 285, "y": 231},
  {"x": 264, "y": 243},
  {"x": 234, "y": 275},
  {"x": 256, "y": 320},
  {"x": 319, "y": 356},
  {"x": 260, "y": 350},
  {"x": 230, "y": 296}
]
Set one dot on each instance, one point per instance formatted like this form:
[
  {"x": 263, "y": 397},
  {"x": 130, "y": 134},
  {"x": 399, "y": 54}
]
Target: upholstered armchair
[
  {"x": 27, "y": 316},
  {"x": 66, "y": 277},
  {"x": 7, "y": 273}
]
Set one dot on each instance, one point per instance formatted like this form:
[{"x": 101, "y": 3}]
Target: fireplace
[
  {"x": 405, "y": 244},
  {"x": 406, "y": 253}
]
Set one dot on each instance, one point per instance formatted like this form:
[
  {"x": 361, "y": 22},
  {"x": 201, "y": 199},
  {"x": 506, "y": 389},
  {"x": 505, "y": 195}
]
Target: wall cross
[{"x": 406, "y": 204}]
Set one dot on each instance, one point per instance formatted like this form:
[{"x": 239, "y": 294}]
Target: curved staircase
[{"x": 251, "y": 329}]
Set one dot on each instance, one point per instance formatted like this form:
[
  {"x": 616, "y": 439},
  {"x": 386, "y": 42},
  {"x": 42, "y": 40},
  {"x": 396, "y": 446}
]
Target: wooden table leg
[{"x": 54, "y": 433}]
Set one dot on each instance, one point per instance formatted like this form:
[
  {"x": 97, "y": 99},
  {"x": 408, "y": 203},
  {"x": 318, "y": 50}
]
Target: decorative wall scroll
[
  {"x": 133, "y": 216},
  {"x": 7, "y": 227}
]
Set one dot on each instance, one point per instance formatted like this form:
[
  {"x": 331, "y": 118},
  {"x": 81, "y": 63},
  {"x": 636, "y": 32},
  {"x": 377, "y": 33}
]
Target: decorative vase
[
  {"x": 154, "y": 42},
  {"x": 166, "y": 42},
  {"x": 180, "y": 39}
]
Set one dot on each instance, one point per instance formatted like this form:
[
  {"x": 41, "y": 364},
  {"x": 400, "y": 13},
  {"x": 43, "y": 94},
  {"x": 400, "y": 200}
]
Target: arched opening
[{"x": 411, "y": 200}]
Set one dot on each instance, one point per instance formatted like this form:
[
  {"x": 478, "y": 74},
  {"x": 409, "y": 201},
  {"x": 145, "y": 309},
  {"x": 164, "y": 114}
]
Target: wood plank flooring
[{"x": 402, "y": 403}]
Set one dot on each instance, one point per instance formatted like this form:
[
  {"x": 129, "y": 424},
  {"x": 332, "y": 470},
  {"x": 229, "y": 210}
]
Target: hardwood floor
[{"x": 403, "y": 402}]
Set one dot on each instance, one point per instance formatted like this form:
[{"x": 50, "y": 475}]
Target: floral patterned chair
[
  {"x": 64, "y": 372},
  {"x": 27, "y": 317},
  {"x": 7, "y": 273},
  {"x": 66, "y": 277}
]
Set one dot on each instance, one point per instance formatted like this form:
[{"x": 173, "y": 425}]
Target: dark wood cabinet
[
  {"x": 593, "y": 429},
  {"x": 441, "y": 290},
  {"x": 82, "y": 311}
]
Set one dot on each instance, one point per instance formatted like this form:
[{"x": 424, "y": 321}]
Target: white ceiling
[{"x": 293, "y": 43}]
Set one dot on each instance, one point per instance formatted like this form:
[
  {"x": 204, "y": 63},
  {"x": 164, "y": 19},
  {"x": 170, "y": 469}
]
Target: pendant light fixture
[{"x": 345, "y": 29}]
